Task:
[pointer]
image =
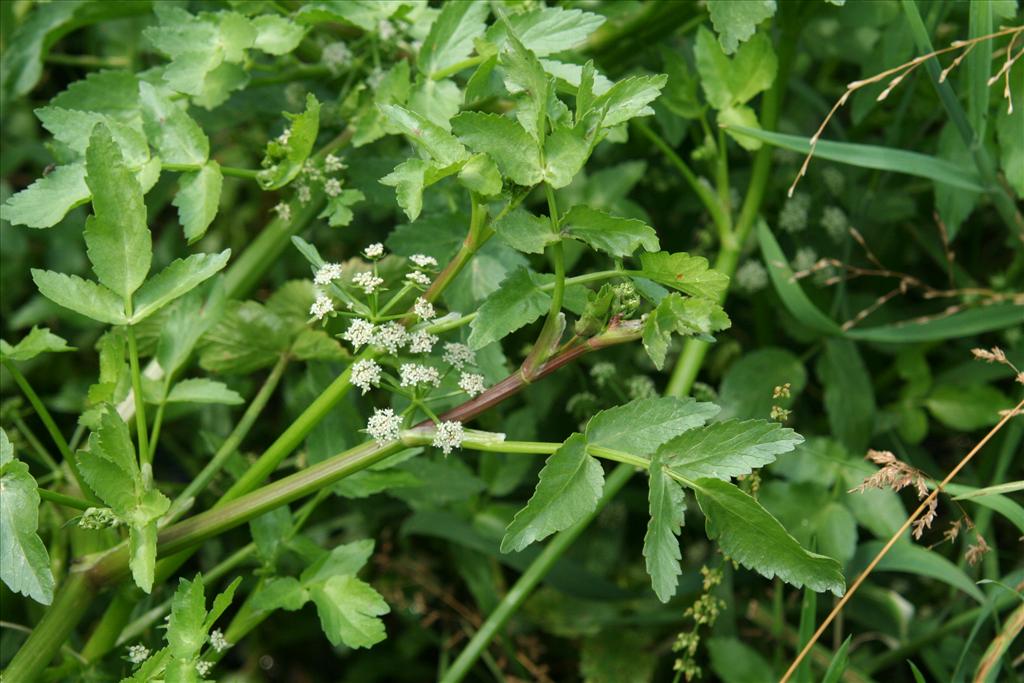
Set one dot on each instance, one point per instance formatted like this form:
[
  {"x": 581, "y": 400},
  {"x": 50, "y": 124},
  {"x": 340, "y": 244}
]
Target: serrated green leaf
[
  {"x": 185, "y": 633},
  {"x": 531, "y": 86},
  {"x": 198, "y": 199},
  {"x": 518, "y": 301},
  {"x": 641, "y": 426},
  {"x": 504, "y": 141},
  {"x": 338, "y": 210},
  {"x": 81, "y": 296},
  {"x": 736, "y": 117},
  {"x": 142, "y": 555},
  {"x": 675, "y": 314},
  {"x": 344, "y": 559},
  {"x": 547, "y": 30},
  {"x": 629, "y": 98},
  {"x": 409, "y": 178},
  {"x": 24, "y": 563},
  {"x": 280, "y": 592},
  {"x": 202, "y": 390},
  {"x": 119, "y": 244},
  {"x": 431, "y": 138},
  {"x": 304, "y": 129},
  {"x": 38, "y": 340},
  {"x": 735, "y": 81},
  {"x": 276, "y": 35},
  {"x": 74, "y": 129},
  {"x": 728, "y": 449},
  {"x": 365, "y": 14},
  {"x": 480, "y": 175},
  {"x": 566, "y": 150},
  {"x": 686, "y": 273},
  {"x": 667, "y": 506},
  {"x": 348, "y": 610},
  {"x": 736, "y": 22},
  {"x": 525, "y": 232},
  {"x": 748, "y": 534},
  {"x": 46, "y": 201},
  {"x": 176, "y": 136},
  {"x": 115, "y": 93},
  {"x": 568, "y": 489},
  {"x": 179, "y": 277},
  {"x": 613, "y": 235},
  {"x": 451, "y": 36}
]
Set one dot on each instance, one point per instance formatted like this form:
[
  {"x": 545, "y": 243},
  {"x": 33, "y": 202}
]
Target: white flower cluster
[
  {"x": 303, "y": 193},
  {"x": 391, "y": 336},
  {"x": 416, "y": 375},
  {"x": 448, "y": 436},
  {"x": 217, "y": 640},
  {"x": 458, "y": 355},
  {"x": 418, "y": 277},
  {"x": 365, "y": 374},
  {"x": 383, "y": 426},
  {"x": 422, "y": 341},
  {"x": 751, "y": 277},
  {"x": 472, "y": 384},
  {"x": 359, "y": 333},
  {"x": 138, "y": 653},
  {"x": 834, "y": 220},
  {"x": 335, "y": 56},
  {"x": 284, "y": 137},
  {"x": 423, "y": 261},
  {"x": 423, "y": 309},
  {"x": 332, "y": 188},
  {"x": 203, "y": 667},
  {"x": 321, "y": 307},
  {"x": 804, "y": 259},
  {"x": 367, "y": 281},
  {"x": 603, "y": 372},
  {"x": 793, "y": 217},
  {"x": 333, "y": 164},
  {"x": 283, "y": 211},
  {"x": 327, "y": 273},
  {"x": 374, "y": 251}
]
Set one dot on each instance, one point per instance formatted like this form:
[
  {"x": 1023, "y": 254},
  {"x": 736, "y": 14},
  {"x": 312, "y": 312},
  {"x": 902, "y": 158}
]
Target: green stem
[
  {"x": 37, "y": 446},
  {"x": 554, "y": 324},
  {"x": 51, "y": 426},
  {"x": 111, "y": 624},
  {"x": 154, "y": 437},
  {"x": 232, "y": 171},
  {"x": 231, "y": 444},
  {"x": 66, "y": 501},
  {"x": 145, "y": 459}
]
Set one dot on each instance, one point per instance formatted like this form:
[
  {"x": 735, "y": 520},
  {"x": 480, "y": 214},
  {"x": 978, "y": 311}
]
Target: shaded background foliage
[{"x": 918, "y": 394}]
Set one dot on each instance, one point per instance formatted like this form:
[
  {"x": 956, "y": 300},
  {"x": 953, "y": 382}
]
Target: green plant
[{"x": 471, "y": 213}]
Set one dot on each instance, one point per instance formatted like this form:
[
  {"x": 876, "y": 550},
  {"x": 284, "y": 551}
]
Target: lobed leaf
[
  {"x": 729, "y": 449},
  {"x": 518, "y": 301},
  {"x": 568, "y": 489},
  {"x": 181, "y": 276},
  {"x": 641, "y": 426},
  {"x": 667, "y": 506},
  {"x": 198, "y": 199},
  {"x": 24, "y": 562},
  {"x": 618, "y": 237}
]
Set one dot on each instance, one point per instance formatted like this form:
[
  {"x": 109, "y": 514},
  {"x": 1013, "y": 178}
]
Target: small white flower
[
  {"x": 284, "y": 137},
  {"x": 385, "y": 29},
  {"x": 422, "y": 260},
  {"x": 641, "y": 386},
  {"x": 383, "y": 426},
  {"x": 332, "y": 188},
  {"x": 423, "y": 309},
  {"x": 283, "y": 211},
  {"x": 472, "y": 384},
  {"x": 448, "y": 436},
  {"x": 418, "y": 278},
  {"x": 415, "y": 375},
  {"x": 391, "y": 336},
  {"x": 804, "y": 259},
  {"x": 203, "y": 668},
  {"x": 332, "y": 164},
  {"x": 375, "y": 77},
  {"x": 375, "y": 250},
  {"x": 366, "y": 374},
  {"x": 303, "y": 194},
  {"x": 834, "y": 220},
  {"x": 138, "y": 653},
  {"x": 367, "y": 281},
  {"x": 327, "y": 273},
  {"x": 751, "y": 277},
  {"x": 603, "y": 372},
  {"x": 311, "y": 170},
  {"x": 422, "y": 341},
  {"x": 793, "y": 217},
  {"x": 359, "y": 333},
  {"x": 218, "y": 641},
  {"x": 321, "y": 307},
  {"x": 458, "y": 355},
  {"x": 335, "y": 56}
]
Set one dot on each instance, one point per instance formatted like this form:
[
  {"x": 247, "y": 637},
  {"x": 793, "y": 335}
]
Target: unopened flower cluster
[{"x": 362, "y": 299}]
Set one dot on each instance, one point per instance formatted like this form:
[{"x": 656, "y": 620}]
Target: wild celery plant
[{"x": 445, "y": 229}]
